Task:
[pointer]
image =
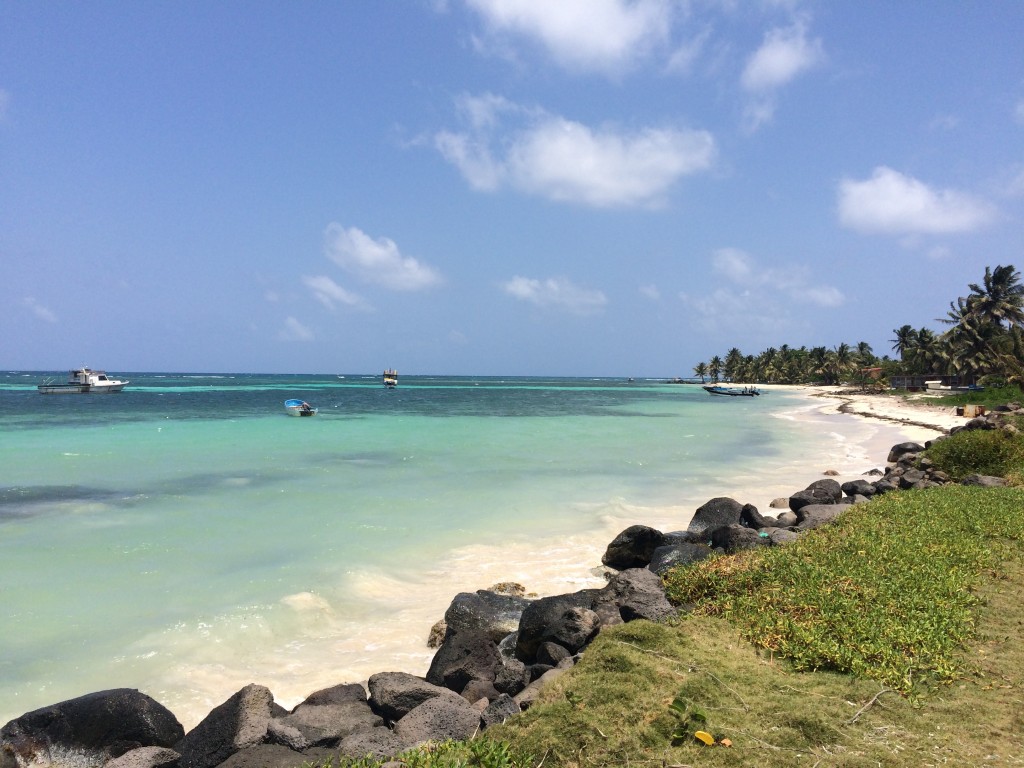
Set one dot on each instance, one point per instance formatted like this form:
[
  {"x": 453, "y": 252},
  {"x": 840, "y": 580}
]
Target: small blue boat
[{"x": 296, "y": 407}]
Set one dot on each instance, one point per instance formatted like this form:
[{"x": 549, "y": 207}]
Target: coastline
[{"x": 383, "y": 623}]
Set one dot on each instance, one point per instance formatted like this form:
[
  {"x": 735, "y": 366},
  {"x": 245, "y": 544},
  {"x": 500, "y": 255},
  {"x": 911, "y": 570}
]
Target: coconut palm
[
  {"x": 1000, "y": 299},
  {"x": 701, "y": 369},
  {"x": 715, "y": 368},
  {"x": 906, "y": 340}
]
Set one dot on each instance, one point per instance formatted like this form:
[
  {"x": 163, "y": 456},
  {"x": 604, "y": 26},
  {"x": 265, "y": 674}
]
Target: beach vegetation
[
  {"x": 984, "y": 343},
  {"x": 994, "y": 452},
  {"x": 879, "y": 640}
]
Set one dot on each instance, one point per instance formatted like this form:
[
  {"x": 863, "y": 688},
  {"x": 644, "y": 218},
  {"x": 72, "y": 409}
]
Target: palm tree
[
  {"x": 906, "y": 340},
  {"x": 733, "y": 361},
  {"x": 701, "y": 369},
  {"x": 715, "y": 368},
  {"x": 1001, "y": 298}
]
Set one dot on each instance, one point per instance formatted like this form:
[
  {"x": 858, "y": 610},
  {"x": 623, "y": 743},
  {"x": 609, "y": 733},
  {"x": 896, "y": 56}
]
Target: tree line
[{"x": 984, "y": 342}]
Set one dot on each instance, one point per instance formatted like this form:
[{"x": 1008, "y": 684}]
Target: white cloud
[
  {"x": 40, "y": 311},
  {"x": 586, "y": 35},
  {"x": 294, "y": 331},
  {"x": 567, "y": 161},
  {"x": 785, "y": 53},
  {"x": 892, "y": 203},
  {"x": 740, "y": 268},
  {"x": 1018, "y": 113},
  {"x": 755, "y": 300},
  {"x": 376, "y": 261},
  {"x": 5, "y": 102},
  {"x": 556, "y": 292},
  {"x": 329, "y": 293},
  {"x": 650, "y": 292}
]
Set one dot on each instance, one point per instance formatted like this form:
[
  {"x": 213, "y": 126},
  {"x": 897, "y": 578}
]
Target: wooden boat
[
  {"x": 299, "y": 408},
  {"x": 732, "y": 391},
  {"x": 83, "y": 381},
  {"x": 390, "y": 378}
]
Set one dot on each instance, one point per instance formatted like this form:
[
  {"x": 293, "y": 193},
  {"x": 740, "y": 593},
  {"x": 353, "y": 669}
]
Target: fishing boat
[
  {"x": 390, "y": 378},
  {"x": 83, "y": 381},
  {"x": 297, "y": 407},
  {"x": 732, "y": 391}
]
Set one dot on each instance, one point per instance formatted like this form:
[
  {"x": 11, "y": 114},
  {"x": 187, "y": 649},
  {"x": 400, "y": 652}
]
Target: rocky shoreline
[{"x": 495, "y": 650}]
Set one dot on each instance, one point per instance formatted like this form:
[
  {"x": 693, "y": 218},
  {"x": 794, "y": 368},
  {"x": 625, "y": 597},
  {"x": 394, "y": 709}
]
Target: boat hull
[
  {"x": 295, "y": 408},
  {"x": 80, "y": 389}
]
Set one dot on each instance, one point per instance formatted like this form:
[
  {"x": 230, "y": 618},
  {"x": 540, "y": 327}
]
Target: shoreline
[{"x": 313, "y": 643}]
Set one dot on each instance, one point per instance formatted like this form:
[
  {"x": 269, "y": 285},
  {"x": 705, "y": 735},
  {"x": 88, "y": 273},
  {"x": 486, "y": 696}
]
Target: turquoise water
[{"x": 187, "y": 537}]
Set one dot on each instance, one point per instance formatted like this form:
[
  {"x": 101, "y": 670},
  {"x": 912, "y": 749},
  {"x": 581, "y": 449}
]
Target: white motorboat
[{"x": 83, "y": 381}]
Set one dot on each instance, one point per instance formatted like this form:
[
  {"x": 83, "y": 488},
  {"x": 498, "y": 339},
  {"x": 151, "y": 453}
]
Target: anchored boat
[
  {"x": 297, "y": 407},
  {"x": 83, "y": 381},
  {"x": 390, "y": 378}
]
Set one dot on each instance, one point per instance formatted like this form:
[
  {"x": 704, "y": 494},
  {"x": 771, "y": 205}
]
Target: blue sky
[{"x": 580, "y": 187}]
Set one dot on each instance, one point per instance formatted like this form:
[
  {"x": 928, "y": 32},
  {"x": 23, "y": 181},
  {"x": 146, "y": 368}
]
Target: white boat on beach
[{"x": 83, "y": 381}]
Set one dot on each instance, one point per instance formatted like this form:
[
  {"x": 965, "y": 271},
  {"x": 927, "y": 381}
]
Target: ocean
[{"x": 187, "y": 537}]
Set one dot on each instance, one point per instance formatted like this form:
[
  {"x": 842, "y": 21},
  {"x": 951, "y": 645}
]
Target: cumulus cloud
[
  {"x": 376, "y": 261},
  {"x": 557, "y": 293},
  {"x": 785, "y": 53},
  {"x": 756, "y": 297},
  {"x": 39, "y": 310},
  {"x": 1018, "y": 113},
  {"x": 892, "y": 203},
  {"x": 330, "y": 294},
  {"x": 650, "y": 292},
  {"x": 567, "y": 161},
  {"x": 294, "y": 331},
  {"x": 740, "y": 268},
  {"x": 583, "y": 35}
]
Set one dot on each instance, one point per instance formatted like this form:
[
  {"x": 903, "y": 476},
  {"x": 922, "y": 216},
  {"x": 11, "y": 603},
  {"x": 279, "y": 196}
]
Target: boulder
[
  {"x": 145, "y": 757},
  {"x": 751, "y": 518},
  {"x": 336, "y": 694},
  {"x": 810, "y": 496},
  {"x": 476, "y": 690},
  {"x": 484, "y": 611},
  {"x": 985, "y": 481},
  {"x": 633, "y": 547},
  {"x": 462, "y": 657},
  {"x": 498, "y": 711},
  {"x": 814, "y": 515},
  {"x": 240, "y": 722},
  {"x": 328, "y": 724},
  {"x": 265, "y": 756},
  {"x": 551, "y": 654},
  {"x": 639, "y": 594},
  {"x": 672, "y": 555},
  {"x": 781, "y": 536},
  {"x": 439, "y": 719},
  {"x": 787, "y": 519},
  {"x": 716, "y": 513},
  {"x": 88, "y": 730},
  {"x": 901, "y": 448},
  {"x": 558, "y": 619},
  {"x": 734, "y": 538},
  {"x": 912, "y": 478},
  {"x": 858, "y": 488},
  {"x": 829, "y": 486},
  {"x": 394, "y": 694},
  {"x": 378, "y": 743}
]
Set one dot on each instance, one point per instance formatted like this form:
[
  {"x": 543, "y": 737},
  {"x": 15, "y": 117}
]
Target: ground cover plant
[{"x": 908, "y": 610}]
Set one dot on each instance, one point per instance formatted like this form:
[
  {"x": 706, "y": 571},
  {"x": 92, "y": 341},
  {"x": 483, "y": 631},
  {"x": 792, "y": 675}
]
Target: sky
[{"x": 497, "y": 187}]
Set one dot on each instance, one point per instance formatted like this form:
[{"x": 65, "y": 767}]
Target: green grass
[
  {"x": 907, "y": 610},
  {"x": 894, "y": 637}
]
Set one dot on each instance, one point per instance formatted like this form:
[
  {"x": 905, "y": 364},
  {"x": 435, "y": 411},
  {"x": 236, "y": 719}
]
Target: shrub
[{"x": 984, "y": 452}]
